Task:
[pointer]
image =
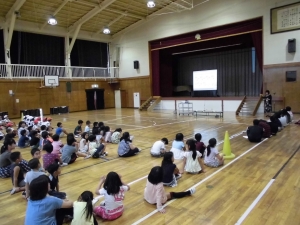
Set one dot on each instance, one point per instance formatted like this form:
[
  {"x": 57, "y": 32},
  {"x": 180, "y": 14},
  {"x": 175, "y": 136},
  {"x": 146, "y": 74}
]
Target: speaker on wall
[
  {"x": 136, "y": 64},
  {"x": 292, "y": 45}
]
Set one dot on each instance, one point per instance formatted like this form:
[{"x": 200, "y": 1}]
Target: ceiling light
[
  {"x": 151, "y": 4},
  {"x": 52, "y": 21},
  {"x": 106, "y": 30}
]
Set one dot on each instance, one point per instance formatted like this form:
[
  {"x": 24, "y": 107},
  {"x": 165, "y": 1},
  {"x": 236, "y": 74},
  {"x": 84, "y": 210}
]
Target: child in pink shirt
[
  {"x": 57, "y": 145},
  {"x": 154, "y": 192}
]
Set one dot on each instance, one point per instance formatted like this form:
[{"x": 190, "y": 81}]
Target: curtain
[
  {"x": 229, "y": 29},
  {"x": 257, "y": 41},
  {"x": 155, "y": 63},
  {"x": 89, "y": 54},
  {"x": 37, "y": 49},
  {"x": 236, "y": 76}
]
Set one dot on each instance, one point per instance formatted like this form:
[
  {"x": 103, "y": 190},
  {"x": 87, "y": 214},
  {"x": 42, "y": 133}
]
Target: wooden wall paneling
[
  {"x": 274, "y": 80},
  {"x": 136, "y": 84}
]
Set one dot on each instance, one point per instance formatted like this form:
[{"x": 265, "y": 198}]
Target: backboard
[{"x": 51, "y": 81}]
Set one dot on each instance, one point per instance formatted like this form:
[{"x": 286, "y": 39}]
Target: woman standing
[{"x": 268, "y": 103}]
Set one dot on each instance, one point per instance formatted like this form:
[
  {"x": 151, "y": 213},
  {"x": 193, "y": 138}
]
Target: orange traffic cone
[{"x": 227, "y": 148}]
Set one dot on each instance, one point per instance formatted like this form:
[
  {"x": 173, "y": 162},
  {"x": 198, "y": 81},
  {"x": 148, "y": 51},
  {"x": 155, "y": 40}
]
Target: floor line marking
[
  {"x": 202, "y": 181},
  {"x": 262, "y": 193},
  {"x": 247, "y": 212}
]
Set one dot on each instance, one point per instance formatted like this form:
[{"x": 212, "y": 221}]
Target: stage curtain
[
  {"x": 221, "y": 31},
  {"x": 166, "y": 75},
  {"x": 89, "y": 54},
  {"x": 257, "y": 41},
  {"x": 37, "y": 49},
  {"x": 235, "y": 75},
  {"x": 155, "y": 73}
]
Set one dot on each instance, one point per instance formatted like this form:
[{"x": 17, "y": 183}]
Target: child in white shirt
[
  {"x": 115, "y": 137},
  {"x": 192, "y": 162},
  {"x": 114, "y": 192},
  {"x": 212, "y": 156},
  {"x": 178, "y": 147},
  {"x": 87, "y": 127},
  {"x": 96, "y": 150},
  {"x": 83, "y": 145},
  {"x": 158, "y": 149}
]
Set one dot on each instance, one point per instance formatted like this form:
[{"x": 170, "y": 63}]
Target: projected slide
[{"x": 205, "y": 80}]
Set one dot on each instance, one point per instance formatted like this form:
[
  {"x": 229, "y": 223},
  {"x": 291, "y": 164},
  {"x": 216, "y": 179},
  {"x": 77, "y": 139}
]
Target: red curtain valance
[{"x": 215, "y": 32}]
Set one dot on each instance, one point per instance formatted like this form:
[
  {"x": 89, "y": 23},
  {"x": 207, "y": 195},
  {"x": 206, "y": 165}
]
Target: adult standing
[{"x": 268, "y": 103}]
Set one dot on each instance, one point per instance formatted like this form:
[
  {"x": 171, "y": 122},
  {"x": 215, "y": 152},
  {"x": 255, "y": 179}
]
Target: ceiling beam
[
  {"x": 103, "y": 5},
  {"x": 56, "y": 11},
  {"x": 126, "y": 13},
  {"x": 110, "y": 10},
  {"x": 16, "y": 7}
]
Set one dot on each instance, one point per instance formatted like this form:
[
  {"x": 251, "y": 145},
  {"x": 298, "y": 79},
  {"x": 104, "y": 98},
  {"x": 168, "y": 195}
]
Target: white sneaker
[
  {"x": 192, "y": 190},
  {"x": 64, "y": 164},
  {"x": 87, "y": 157}
]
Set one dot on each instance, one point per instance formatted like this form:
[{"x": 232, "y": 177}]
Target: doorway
[{"x": 94, "y": 99}]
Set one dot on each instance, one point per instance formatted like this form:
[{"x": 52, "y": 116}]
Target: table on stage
[{"x": 207, "y": 113}]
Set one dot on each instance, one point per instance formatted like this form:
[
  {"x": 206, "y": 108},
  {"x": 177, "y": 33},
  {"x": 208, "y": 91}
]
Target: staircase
[
  {"x": 249, "y": 106},
  {"x": 150, "y": 103}
]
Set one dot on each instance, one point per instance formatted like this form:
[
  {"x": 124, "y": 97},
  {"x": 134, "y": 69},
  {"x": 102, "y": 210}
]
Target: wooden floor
[{"x": 223, "y": 194}]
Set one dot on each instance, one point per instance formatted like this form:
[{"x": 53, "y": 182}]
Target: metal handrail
[{"x": 13, "y": 71}]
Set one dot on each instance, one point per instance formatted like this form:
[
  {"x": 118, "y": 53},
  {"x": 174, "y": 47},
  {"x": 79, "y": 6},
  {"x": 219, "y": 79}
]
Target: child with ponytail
[
  {"x": 83, "y": 210},
  {"x": 192, "y": 161},
  {"x": 212, "y": 156},
  {"x": 155, "y": 193}
]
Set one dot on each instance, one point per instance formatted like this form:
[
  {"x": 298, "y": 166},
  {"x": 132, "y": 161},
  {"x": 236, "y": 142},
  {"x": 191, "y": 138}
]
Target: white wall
[
  {"x": 134, "y": 43},
  {"x": 208, "y": 105}
]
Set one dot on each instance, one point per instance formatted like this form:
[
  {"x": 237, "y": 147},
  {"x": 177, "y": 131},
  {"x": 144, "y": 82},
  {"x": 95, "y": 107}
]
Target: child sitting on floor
[
  {"x": 36, "y": 154},
  {"x": 87, "y": 127},
  {"x": 10, "y": 134},
  {"x": 114, "y": 191},
  {"x": 57, "y": 145},
  {"x": 23, "y": 140},
  {"x": 83, "y": 144},
  {"x": 192, "y": 162},
  {"x": 60, "y": 131},
  {"x": 35, "y": 165},
  {"x": 54, "y": 171},
  {"x": 212, "y": 157},
  {"x": 107, "y": 134},
  {"x": 83, "y": 210},
  {"x": 178, "y": 147},
  {"x": 22, "y": 126},
  {"x": 50, "y": 158},
  {"x": 7, "y": 121},
  {"x": 95, "y": 128},
  {"x": 154, "y": 192},
  {"x": 78, "y": 129},
  {"x": 170, "y": 171},
  {"x": 35, "y": 139},
  {"x": 200, "y": 146},
  {"x": 158, "y": 149},
  {"x": 115, "y": 137},
  {"x": 96, "y": 150},
  {"x": 70, "y": 151},
  {"x": 17, "y": 173},
  {"x": 126, "y": 148}
]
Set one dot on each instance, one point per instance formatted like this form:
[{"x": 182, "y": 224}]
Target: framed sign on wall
[{"x": 285, "y": 18}]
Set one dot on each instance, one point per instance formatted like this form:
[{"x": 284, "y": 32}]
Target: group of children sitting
[
  {"x": 265, "y": 129},
  {"x": 194, "y": 154}
]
